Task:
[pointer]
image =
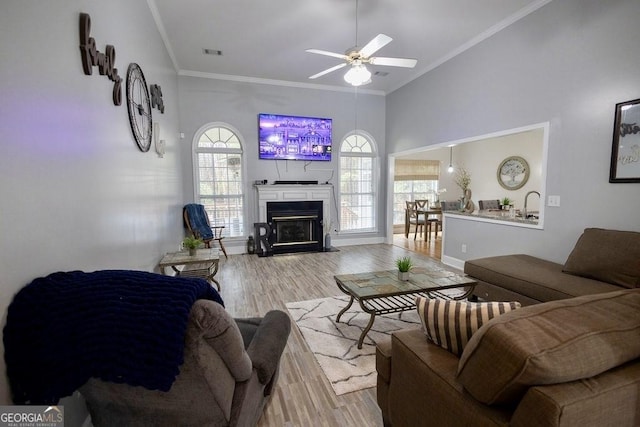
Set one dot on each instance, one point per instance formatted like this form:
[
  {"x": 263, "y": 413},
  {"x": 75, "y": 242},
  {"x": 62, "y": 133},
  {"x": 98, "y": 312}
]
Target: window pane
[
  {"x": 219, "y": 179},
  {"x": 356, "y": 144},
  {"x": 357, "y": 191},
  {"x": 411, "y": 190}
]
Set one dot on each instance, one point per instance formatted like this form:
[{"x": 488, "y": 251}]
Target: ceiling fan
[{"x": 359, "y": 74}]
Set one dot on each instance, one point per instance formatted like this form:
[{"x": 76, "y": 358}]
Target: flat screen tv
[{"x": 294, "y": 137}]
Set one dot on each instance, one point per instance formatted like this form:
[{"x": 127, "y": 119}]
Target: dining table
[{"x": 431, "y": 210}]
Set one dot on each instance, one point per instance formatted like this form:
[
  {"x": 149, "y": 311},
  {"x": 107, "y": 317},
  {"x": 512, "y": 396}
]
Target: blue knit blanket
[
  {"x": 120, "y": 326},
  {"x": 198, "y": 221}
]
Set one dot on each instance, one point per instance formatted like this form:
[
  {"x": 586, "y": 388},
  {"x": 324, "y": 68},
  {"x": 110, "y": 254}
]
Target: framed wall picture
[
  {"x": 513, "y": 173},
  {"x": 625, "y": 152}
]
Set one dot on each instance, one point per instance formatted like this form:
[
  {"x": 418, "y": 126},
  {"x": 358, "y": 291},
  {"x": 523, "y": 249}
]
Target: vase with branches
[{"x": 463, "y": 180}]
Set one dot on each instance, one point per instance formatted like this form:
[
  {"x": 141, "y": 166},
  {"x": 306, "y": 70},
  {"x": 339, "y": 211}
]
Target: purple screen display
[{"x": 294, "y": 137}]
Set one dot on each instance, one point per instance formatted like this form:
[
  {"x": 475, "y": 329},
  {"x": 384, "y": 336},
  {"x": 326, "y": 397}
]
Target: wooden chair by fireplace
[{"x": 197, "y": 222}]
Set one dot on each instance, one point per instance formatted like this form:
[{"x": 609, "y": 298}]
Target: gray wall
[
  {"x": 75, "y": 191},
  {"x": 204, "y": 100},
  {"x": 568, "y": 63}
]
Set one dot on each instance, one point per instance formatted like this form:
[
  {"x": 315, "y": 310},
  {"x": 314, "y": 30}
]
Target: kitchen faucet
[{"x": 524, "y": 214}]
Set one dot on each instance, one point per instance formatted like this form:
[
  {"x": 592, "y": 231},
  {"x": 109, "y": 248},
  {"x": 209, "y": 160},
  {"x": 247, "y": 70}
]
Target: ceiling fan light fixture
[{"x": 358, "y": 75}]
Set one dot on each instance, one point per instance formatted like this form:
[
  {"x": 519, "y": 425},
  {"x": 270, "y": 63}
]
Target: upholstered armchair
[{"x": 229, "y": 372}]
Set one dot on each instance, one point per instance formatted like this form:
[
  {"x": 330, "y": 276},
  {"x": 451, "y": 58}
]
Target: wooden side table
[{"x": 203, "y": 264}]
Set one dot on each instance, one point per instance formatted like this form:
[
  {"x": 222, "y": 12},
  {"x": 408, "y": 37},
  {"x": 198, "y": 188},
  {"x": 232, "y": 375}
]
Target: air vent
[
  {"x": 213, "y": 52},
  {"x": 381, "y": 73}
]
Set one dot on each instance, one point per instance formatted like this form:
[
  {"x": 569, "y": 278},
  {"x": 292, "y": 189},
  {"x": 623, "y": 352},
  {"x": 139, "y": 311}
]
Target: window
[
  {"x": 218, "y": 176},
  {"x": 357, "y": 183},
  {"x": 413, "y": 179}
]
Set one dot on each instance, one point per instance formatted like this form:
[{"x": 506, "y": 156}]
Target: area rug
[{"x": 335, "y": 345}]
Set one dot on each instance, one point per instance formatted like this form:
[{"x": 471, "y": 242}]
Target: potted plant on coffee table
[
  {"x": 404, "y": 264},
  {"x": 192, "y": 243}
]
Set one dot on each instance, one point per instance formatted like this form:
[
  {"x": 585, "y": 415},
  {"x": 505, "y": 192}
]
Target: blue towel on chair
[
  {"x": 117, "y": 325},
  {"x": 198, "y": 221}
]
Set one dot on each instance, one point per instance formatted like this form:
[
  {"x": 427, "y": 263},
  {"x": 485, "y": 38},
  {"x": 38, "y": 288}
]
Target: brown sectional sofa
[
  {"x": 571, "y": 362},
  {"x": 571, "y": 357},
  {"x": 601, "y": 261}
]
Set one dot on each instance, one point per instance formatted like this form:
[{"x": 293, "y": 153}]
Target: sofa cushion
[
  {"x": 608, "y": 255},
  {"x": 450, "y": 324},
  {"x": 533, "y": 277},
  {"x": 551, "y": 343}
]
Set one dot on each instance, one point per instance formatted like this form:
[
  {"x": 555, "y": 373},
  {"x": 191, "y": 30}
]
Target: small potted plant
[
  {"x": 404, "y": 265},
  {"x": 505, "y": 202},
  {"x": 191, "y": 243}
]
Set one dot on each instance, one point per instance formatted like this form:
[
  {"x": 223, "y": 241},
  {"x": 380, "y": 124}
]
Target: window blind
[{"x": 416, "y": 170}]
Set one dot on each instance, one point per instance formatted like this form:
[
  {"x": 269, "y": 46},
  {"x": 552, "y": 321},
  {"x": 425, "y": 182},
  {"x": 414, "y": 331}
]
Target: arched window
[
  {"x": 357, "y": 183},
  {"x": 218, "y": 176}
]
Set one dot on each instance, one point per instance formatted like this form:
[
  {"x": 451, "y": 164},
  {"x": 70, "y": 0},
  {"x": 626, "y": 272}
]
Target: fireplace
[
  {"x": 296, "y": 226},
  {"x": 291, "y": 200}
]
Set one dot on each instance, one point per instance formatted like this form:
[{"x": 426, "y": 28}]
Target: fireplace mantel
[{"x": 294, "y": 193}]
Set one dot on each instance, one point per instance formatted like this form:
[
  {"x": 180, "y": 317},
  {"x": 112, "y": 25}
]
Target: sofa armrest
[
  {"x": 610, "y": 398},
  {"x": 268, "y": 343},
  {"x": 210, "y": 322},
  {"x": 423, "y": 388},
  {"x": 383, "y": 367},
  {"x": 383, "y": 359}
]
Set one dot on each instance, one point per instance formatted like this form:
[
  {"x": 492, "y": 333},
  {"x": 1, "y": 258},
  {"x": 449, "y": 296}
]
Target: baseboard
[
  {"x": 239, "y": 246},
  {"x": 357, "y": 241},
  {"x": 453, "y": 262}
]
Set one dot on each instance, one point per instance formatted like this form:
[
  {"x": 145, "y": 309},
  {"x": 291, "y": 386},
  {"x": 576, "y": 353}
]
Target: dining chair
[
  {"x": 433, "y": 220},
  {"x": 450, "y": 206},
  {"x": 422, "y": 204},
  {"x": 413, "y": 217},
  {"x": 488, "y": 204}
]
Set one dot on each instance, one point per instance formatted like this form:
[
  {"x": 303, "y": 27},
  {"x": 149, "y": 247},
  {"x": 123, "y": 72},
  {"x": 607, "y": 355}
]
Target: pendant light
[{"x": 450, "y": 168}]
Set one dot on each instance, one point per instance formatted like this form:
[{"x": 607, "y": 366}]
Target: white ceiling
[{"x": 266, "y": 40}]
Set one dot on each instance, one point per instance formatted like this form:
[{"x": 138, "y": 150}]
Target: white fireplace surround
[{"x": 294, "y": 193}]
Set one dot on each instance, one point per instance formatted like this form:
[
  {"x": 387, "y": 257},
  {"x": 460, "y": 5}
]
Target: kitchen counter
[{"x": 500, "y": 216}]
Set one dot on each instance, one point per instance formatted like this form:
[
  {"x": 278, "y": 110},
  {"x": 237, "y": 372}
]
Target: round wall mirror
[{"x": 513, "y": 173}]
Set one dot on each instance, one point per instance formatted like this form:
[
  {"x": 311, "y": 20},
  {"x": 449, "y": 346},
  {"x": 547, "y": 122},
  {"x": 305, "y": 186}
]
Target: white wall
[
  {"x": 568, "y": 63},
  {"x": 75, "y": 191},
  {"x": 204, "y": 100},
  {"x": 482, "y": 159}
]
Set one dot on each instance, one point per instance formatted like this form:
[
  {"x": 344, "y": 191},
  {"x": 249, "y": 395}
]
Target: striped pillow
[{"x": 450, "y": 324}]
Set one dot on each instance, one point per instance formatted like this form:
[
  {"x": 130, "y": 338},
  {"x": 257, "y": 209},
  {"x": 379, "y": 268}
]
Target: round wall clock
[
  {"x": 139, "y": 107},
  {"x": 513, "y": 173}
]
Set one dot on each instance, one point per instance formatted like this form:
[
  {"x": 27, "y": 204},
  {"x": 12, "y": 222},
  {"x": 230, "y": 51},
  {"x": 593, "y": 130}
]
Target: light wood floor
[
  {"x": 429, "y": 247},
  {"x": 251, "y": 286}
]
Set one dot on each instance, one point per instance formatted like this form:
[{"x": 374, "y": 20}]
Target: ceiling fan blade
[
  {"x": 394, "y": 62},
  {"x": 378, "y": 42},
  {"x": 328, "y": 70},
  {"x": 327, "y": 53}
]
